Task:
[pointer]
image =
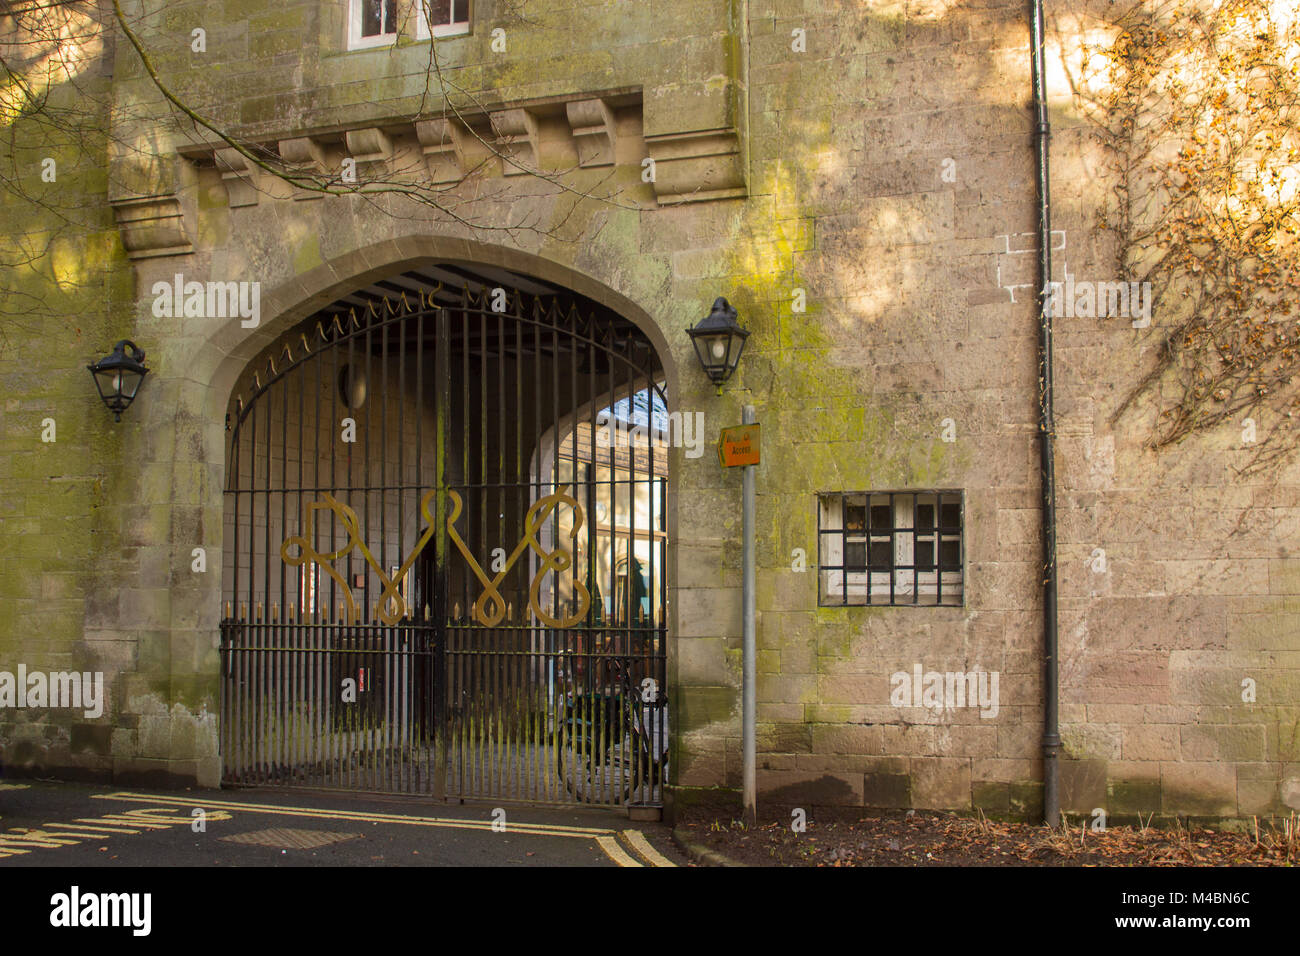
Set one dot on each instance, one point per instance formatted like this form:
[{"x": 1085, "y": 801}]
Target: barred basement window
[{"x": 892, "y": 547}]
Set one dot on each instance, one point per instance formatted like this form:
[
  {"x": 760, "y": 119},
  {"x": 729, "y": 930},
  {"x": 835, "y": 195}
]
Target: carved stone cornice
[
  {"x": 442, "y": 153},
  {"x": 594, "y": 131},
  {"x": 697, "y": 166},
  {"x": 152, "y": 226},
  {"x": 304, "y": 156},
  {"x": 239, "y": 176},
  {"x": 519, "y": 141},
  {"x": 371, "y": 148},
  {"x": 691, "y": 165}
]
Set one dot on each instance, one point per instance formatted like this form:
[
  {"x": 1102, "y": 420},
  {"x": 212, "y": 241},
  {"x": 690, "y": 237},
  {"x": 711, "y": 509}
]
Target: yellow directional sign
[{"x": 739, "y": 446}]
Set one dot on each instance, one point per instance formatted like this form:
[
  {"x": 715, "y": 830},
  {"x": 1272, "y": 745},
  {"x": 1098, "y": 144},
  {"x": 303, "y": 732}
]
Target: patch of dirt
[{"x": 925, "y": 838}]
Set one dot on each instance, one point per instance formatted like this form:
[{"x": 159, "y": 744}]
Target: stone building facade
[{"x": 858, "y": 180}]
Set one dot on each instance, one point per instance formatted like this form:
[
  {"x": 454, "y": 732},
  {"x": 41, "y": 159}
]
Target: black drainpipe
[{"x": 1047, "y": 433}]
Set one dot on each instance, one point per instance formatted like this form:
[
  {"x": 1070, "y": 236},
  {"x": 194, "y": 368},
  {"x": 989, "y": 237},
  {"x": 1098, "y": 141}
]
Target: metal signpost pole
[{"x": 749, "y": 654}]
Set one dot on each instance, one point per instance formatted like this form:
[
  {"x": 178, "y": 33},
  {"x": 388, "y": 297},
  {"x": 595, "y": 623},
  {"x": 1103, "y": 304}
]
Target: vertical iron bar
[{"x": 442, "y": 613}]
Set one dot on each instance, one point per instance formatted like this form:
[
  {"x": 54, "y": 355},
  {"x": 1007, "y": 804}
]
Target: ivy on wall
[{"x": 1197, "y": 106}]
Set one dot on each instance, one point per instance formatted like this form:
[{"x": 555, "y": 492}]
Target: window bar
[
  {"x": 939, "y": 549},
  {"x": 844, "y": 554},
  {"x": 916, "y": 582},
  {"x": 893, "y": 548}
]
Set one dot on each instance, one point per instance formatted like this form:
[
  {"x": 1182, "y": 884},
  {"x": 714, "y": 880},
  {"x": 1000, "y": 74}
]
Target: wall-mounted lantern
[
  {"x": 118, "y": 377},
  {"x": 718, "y": 342}
]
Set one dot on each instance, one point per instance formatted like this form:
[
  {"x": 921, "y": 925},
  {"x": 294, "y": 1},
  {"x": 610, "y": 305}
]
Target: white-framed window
[
  {"x": 441, "y": 18},
  {"x": 371, "y": 23},
  {"x": 890, "y": 547}
]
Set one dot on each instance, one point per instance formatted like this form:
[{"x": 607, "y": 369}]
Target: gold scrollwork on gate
[
  {"x": 392, "y": 606},
  {"x": 490, "y": 608}
]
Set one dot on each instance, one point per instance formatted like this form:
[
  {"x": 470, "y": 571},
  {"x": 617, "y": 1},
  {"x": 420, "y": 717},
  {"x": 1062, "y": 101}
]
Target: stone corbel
[
  {"x": 371, "y": 148},
  {"x": 152, "y": 226},
  {"x": 592, "y": 124},
  {"x": 697, "y": 166},
  {"x": 304, "y": 156},
  {"x": 239, "y": 175},
  {"x": 518, "y": 141},
  {"x": 472, "y": 136},
  {"x": 438, "y": 141}
]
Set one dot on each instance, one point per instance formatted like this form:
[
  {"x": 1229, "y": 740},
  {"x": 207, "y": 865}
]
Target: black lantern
[
  {"x": 719, "y": 342},
  {"x": 118, "y": 377}
]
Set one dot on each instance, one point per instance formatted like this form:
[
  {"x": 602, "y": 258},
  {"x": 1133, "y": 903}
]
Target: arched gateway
[{"x": 445, "y": 547}]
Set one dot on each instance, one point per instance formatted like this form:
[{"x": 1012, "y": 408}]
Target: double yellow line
[{"x": 606, "y": 838}]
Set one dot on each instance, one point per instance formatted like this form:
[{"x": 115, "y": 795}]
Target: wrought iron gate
[{"x": 444, "y": 572}]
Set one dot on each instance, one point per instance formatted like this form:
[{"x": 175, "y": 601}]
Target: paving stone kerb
[{"x": 887, "y": 172}]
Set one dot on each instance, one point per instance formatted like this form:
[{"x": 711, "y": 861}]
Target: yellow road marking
[
  {"x": 642, "y": 846},
  {"x": 23, "y": 838},
  {"x": 535, "y": 829},
  {"x": 18, "y": 841},
  {"x": 124, "y": 821},
  {"x": 605, "y": 837},
  {"x": 615, "y": 852}
]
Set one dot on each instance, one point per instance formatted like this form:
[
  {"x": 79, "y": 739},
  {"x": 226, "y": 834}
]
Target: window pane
[
  {"x": 855, "y": 557},
  {"x": 370, "y": 18},
  {"x": 378, "y": 17},
  {"x": 444, "y": 13},
  {"x": 439, "y": 12},
  {"x": 602, "y": 515},
  {"x": 832, "y": 508},
  {"x": 622, "y": 499}
]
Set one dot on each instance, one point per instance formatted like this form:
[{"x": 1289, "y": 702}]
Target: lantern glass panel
[
  {"x": 737, "y": 346},
  {"x": 129, "y": 382},
  {"x": 108, "y": 382}
]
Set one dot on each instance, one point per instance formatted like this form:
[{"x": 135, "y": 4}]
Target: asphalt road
[{"x": 75, "y": 825}]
